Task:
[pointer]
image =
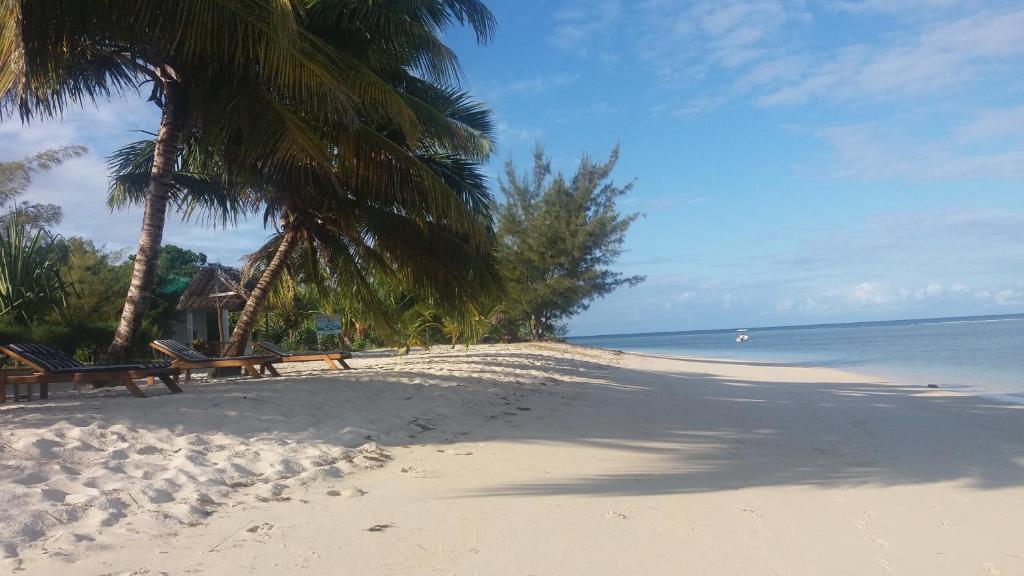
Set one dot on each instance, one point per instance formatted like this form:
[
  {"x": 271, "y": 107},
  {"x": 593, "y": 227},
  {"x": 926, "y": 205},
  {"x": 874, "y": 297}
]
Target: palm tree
[
  {"x": 212, "y": 67},
  {"x": 407, "y": 53},
  {"x": 424, "y": 176},
  {"x": 358, "y": 247}
]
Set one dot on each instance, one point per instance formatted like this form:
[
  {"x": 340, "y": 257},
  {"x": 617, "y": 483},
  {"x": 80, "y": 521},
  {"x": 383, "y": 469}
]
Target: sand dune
[{"x": 517, "y": 460}]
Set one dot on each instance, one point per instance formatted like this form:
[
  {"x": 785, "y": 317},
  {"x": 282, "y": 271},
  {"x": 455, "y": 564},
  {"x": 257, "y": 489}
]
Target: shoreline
[
  {"x": 515, "y": 459},
  {"x": 880, "y": 374}
]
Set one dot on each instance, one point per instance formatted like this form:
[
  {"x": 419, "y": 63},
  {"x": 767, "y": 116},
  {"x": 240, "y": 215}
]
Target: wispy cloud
[
  {"x": 762, "y": 50},
  {"x": 532, "y": 86},
  {"x": 916, "y": 7},
  {"x": 989, "y": 144},
  {"x": 943, "y": 55},
  {"x": 518, "y": 134},
  {"x": 579, "y": 22}
]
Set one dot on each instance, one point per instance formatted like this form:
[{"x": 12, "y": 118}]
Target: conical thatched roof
[{"x": 214, "y": 287}]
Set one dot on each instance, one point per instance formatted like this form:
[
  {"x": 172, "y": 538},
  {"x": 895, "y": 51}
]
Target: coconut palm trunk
[
  {"x": 154, "y": 217},
  {"x": 258, "y": 297}
]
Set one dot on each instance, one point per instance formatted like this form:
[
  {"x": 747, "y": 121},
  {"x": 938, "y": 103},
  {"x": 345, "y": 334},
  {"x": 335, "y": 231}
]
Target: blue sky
[{"x": 796, "y": 162}]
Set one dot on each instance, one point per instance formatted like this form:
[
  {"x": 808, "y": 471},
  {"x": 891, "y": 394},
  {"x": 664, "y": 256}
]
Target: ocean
[{"x": 978, "y": 354}]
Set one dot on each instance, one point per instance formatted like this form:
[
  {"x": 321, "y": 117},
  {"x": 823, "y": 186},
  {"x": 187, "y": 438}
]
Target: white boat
[{"x": 742, "y": 336}]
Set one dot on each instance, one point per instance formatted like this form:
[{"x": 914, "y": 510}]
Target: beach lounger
[
  {"x": 188, "y": 359},
  {"x": 330, "y": 359},
  {"x": 51, "y": 366}
]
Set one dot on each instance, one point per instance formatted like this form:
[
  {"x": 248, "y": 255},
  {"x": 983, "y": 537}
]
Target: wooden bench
[
  {"x": 50, "y": 366},
  {"x": 330, "y": 359},
  {"x": 15, "y": 387},
  {"x": 185, "y": 358}
]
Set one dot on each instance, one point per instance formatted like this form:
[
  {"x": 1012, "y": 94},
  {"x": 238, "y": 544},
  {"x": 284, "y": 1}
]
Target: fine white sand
[{"x": 531, "y": 459}]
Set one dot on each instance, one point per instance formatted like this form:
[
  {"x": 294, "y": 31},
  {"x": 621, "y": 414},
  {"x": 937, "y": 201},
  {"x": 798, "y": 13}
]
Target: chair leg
[
  {"x": 273, "y": 371},
  {"x": 130, "y": 385},
  {"x": 344, "y": 364},
  {"x": 252, "y": 371},
  {"x": 330, "y": 363},
  {"x": 44, "y": 390},
  {"x": 168, "y": 381}
]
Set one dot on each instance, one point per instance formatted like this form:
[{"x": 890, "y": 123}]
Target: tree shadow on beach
[{"x": 696, "y": 432}]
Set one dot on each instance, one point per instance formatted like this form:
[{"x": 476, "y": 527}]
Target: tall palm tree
[
  {"x": 359, "y": 247},
  {"x": 212, "y": 67},
  {"x": 379, "y": 163}
]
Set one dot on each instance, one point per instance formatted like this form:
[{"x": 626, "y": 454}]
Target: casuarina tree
[{"x": 557, "y": 239}]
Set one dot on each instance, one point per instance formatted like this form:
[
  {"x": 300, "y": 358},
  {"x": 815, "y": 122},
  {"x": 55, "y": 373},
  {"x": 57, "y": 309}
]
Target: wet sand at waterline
[{"x": 519, "y": 459}]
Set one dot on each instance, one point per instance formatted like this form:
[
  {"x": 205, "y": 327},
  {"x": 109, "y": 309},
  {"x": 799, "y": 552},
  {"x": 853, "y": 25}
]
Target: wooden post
[
  {"x": 220, "y": 332},
  {"x": 226, "y": 335}
]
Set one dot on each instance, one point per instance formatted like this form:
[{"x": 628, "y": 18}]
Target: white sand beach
[{"x": 515, "y": 460}]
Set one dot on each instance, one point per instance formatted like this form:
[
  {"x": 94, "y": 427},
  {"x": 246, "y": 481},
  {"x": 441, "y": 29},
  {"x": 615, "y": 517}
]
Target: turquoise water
[{"x": 977, "y": 354}]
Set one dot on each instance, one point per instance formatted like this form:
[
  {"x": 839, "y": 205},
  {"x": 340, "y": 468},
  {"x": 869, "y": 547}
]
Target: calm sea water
[{"x": 977, "y": 354}]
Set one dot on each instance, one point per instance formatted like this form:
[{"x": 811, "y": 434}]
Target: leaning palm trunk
[
  {"x": 258, "y": 297},
  {"x": 153, "y": 220}
]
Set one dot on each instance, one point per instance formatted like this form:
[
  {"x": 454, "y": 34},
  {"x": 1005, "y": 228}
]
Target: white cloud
[
  {"x": 989, "y": 144},
  {"x": 579, "y": 22},
  {"x": 704, "y": 54},
  {"x": 921, "y": 7},
  {"x": 991, "y": 125},
  {"x": 943, "y": 55},
  {"x": 680, "y": 41},
  {"x": 869, "y": 293},
  {"x": 1009, "y": 297},
  {"x": 509, "y": 134},
  {"x": 532, "y": 86}
]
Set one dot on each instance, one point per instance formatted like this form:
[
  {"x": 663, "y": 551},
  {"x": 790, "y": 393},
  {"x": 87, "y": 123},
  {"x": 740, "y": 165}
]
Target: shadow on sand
[{"x": 704, "y": 433}]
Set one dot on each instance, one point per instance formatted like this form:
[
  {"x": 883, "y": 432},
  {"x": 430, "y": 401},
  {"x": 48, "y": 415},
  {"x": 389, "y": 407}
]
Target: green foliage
[
  {"x": 79, "y": 339},
  {"x": 175, "y": 269},
  {"x": 31, "y": 283},
  {"x": 557, "y": 238},
  {"x": 180, "y": 262},
  {"x": 100, "y": 279}
]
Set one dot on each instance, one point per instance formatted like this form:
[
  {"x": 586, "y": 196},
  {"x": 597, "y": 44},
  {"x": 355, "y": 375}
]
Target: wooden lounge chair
[
  {"x": 188, "y": 359},
  {"x": 50, "y": 365},
  {"x": 330, "y": 359}
]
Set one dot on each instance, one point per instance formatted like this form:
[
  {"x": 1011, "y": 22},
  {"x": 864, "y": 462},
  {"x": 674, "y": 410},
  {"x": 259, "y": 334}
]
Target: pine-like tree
[{"x": 557, "y": 239}]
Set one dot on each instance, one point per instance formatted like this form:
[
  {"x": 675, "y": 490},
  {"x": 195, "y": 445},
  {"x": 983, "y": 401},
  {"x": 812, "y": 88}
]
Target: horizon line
[{"x": 808, "y": 326}]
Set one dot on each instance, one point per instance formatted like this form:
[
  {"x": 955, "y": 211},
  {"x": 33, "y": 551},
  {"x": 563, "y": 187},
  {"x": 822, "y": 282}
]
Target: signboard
[{"x": 326, "y": 324}]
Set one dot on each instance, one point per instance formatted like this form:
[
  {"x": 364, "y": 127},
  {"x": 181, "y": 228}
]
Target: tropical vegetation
[{"x": 365, "y": 165}]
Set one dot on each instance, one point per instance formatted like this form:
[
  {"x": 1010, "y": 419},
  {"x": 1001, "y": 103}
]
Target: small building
[{"x": 215, "y": 291}]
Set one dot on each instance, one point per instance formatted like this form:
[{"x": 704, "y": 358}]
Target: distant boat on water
[{"x": 742, "y": 336}]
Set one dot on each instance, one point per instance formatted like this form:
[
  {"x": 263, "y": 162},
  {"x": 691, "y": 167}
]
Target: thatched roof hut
[{"x": 214, "y": 287}]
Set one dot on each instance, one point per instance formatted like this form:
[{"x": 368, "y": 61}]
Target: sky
[{"x": 795, "y": 162}]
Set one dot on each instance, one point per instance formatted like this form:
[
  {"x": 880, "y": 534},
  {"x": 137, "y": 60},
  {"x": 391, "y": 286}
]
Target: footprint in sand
[
  {"x": 347, "y": 492},
  {"x": 990, "y": 568},
  {"x": 889, "y": 568},
  {"x": 419, "y": 473},
  {"x": 617, "y": 515},
  {"x": 379, "y": 527},
  {"x": 260, "y": 528},
  {"x": 454, "y": 452},
  {"x": 879, "y": 542}
]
